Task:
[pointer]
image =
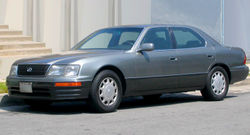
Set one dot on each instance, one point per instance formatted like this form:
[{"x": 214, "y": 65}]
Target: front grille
[{"x": 37, "y": 70}]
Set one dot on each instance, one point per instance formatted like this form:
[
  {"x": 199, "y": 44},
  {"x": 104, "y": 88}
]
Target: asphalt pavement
[{"x": 173, "y": 114}]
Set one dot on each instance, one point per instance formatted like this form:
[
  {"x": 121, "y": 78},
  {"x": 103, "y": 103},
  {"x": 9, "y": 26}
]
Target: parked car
[{"x": 141, "y": 60}]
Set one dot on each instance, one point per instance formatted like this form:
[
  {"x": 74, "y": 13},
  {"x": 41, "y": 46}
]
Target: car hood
[{"x": 66, "y": 57}]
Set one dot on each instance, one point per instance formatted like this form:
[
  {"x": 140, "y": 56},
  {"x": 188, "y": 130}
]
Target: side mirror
[{"x": 146, "y": 47}]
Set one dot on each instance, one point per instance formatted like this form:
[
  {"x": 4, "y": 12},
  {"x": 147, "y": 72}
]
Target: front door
[{"x": 155, "y": 69}]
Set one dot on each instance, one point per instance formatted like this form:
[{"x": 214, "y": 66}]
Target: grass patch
[{"x": 3, "y": 87}]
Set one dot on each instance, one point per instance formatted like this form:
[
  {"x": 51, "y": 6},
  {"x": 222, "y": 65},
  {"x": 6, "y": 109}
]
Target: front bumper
[
  {"x": 239, "y": 73},
  {"x": 44, "y": 89}
]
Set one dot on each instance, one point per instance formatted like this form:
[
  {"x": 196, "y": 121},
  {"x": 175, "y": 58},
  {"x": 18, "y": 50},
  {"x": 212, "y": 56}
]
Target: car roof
[{"x": 152, "y": 25}]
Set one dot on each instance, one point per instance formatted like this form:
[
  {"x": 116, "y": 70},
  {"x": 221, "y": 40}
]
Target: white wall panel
[
  {"x": 237, "y": 24},
  {"x": 135, "y": 12},
  {"x": 52, "y": 24},
  {"x": 92, "y": 15},
  {"x": 11, "y": 13},
  {"x": 204, "y": 14}
]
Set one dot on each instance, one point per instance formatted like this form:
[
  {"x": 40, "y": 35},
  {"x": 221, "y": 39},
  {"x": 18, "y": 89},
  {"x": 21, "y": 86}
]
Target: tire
[
  {"x": 217, "y": 85},
  {"x": 154, "y": 97},
  {"x": 37, "y": 104},
  {"x": 106, "y": 93}
]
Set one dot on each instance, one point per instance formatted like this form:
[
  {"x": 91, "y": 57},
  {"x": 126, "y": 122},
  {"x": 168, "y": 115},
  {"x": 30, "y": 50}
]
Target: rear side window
[
  {"x": 159, "y": 37},
  {"x": 187, "y": 38}
]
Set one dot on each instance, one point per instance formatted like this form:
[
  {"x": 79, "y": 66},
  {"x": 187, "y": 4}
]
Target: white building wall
[
  {"x": 135, "y": 12},
  {"x": 11, "y": 13},
  {"x": 203, "y": 14},
  {"x": 237, "y": 20},
  {"x": 63, "y": 27},
  {"x": 52, "y": 23},
  {"x": 92, "y": 15},
  {"x": 63, "y": 23}
]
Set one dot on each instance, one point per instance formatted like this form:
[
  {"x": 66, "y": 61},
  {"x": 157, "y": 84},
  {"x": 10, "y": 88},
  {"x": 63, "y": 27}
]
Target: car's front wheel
[
  {"x": 106, "y": 93},
  {"x": 217, "y": 85}
]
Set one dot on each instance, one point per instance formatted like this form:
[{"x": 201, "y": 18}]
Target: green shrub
[{"x": 3, "y": 87}]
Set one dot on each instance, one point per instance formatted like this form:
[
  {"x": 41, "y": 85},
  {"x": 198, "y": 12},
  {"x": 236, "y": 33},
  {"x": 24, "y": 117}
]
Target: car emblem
[{"x": 29, "y": 69}]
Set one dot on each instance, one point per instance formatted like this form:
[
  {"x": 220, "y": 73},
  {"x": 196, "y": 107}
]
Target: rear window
[{"x": 187, "y": 38}]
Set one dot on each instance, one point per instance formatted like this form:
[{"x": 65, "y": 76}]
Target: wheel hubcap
[
  {"x": 108, "y": 91},
  {"x": 218, "y": 83}
]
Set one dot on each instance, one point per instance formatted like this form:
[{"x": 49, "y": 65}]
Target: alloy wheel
[
  {"x": 218, "y": 83},
  {"x": 108, "y": 91}
]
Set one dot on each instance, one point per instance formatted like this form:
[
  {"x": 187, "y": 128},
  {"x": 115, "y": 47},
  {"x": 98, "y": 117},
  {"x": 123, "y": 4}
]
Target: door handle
[
  {"x": 210, "y": 56},
  {"x": 173, "y": 59}
]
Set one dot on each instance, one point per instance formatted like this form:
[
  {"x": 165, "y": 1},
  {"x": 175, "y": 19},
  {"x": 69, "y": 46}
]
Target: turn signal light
[
  {"x": 68, "y": 84},
  {"x": 245, "y": 60}
]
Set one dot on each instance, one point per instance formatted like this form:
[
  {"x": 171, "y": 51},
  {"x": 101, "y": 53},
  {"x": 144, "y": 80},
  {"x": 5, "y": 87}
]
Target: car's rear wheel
[
  {"x": 106, "y": 93},
  {"x": 217, "y": 85}
]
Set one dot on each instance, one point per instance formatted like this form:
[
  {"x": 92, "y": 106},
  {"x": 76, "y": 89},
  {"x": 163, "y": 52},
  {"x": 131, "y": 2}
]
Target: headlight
[
  {"x": 13, "y": 70},
  {"x": 64, "y": 70}
]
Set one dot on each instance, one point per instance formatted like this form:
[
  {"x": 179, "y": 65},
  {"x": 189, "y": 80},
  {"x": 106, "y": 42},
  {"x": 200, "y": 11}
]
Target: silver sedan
[{"x": 141, "y": 60}]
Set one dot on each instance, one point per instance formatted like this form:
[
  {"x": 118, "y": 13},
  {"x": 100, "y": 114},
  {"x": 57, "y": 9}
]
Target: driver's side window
[
  {"x": 159, "y": 37},
  {"x": 128, "y": 38}
]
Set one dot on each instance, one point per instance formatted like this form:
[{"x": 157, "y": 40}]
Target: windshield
[{"x": 112, "y": 38}]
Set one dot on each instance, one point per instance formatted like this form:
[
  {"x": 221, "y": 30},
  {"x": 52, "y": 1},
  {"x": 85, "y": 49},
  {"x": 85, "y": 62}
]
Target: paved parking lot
[{"x": 185, "y": 113}]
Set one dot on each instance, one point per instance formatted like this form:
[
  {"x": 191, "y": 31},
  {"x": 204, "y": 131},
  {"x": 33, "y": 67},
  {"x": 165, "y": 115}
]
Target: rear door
[{"x": 194, "y": 57}]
